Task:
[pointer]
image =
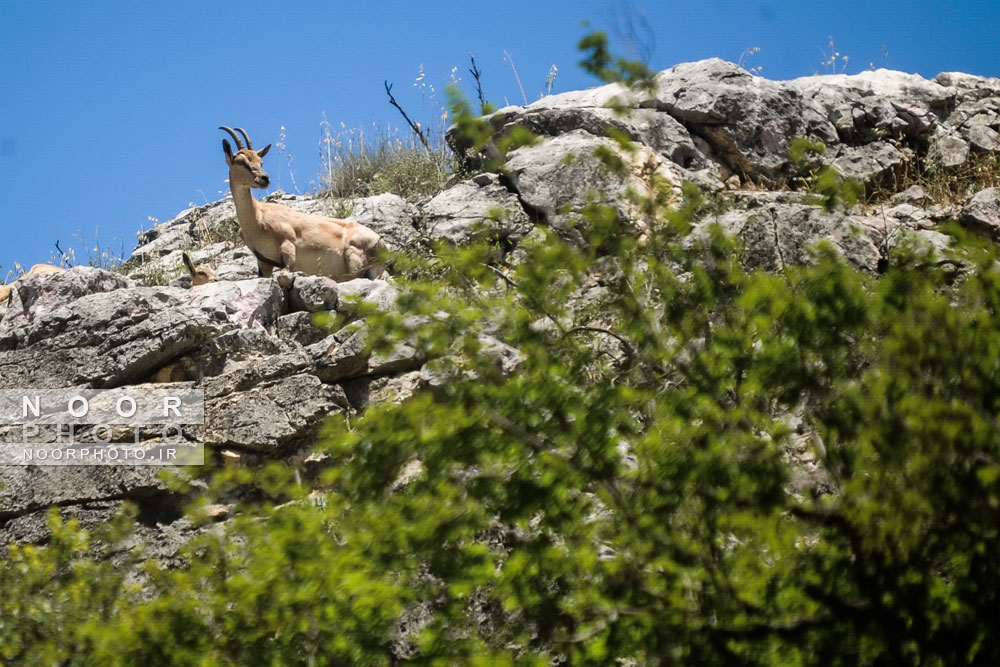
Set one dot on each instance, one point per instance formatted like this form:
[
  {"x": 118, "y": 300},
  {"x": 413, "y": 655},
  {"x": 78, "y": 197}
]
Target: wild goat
[
  {"x": 201, "y": 274},
  {"x": 282, "y": 238},
  {"x": 37, "y": 269}
]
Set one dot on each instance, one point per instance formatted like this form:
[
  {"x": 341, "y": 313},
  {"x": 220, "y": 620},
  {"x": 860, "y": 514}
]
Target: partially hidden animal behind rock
[
  {"x": 201, "y": 274},
  {"x": 283, "y": 238},
  {"x": 37, "y": 269}
]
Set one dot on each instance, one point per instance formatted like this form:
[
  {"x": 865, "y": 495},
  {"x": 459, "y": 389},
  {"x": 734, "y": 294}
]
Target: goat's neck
[{"x": 246, "y": 206}]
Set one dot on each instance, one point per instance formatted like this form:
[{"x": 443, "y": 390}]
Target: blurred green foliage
[{"x": 599, "y": 62}]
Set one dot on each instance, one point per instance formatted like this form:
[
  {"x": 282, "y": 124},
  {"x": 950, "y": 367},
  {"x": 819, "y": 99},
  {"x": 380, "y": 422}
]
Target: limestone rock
[
  {"x": 391, "y": 216},
  {"x": 478, "y": 209},
  {"x": 342, "y": 355},
  {"x": 948, "y": 150},
  {"x": 913, "y": 194},
  {"x": 982, "y": 211},
  {"x": 781, "y": 234},
  {"x": 282, "y": 414},
  {"x": 378, "y": 293},
  {"x": 748, "y": 121},
  {"x": 984, "y": 138},
  {"x": 313, "y": 293},
  {"x": 870, "y": 163},
  {"x": 27, "y": 489},
  {"x": 557, "y": 178},
  {"x": 369, "y": 390},
  {"x": 555, "y": 115},
  {"x": 300, "y": 327},
  {"x": 35, "y": 296},
  {"x": 201, "y": 225}
]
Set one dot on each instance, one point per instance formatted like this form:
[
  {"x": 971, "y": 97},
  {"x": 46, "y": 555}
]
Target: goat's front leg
[{"x": 288, "y": 255}]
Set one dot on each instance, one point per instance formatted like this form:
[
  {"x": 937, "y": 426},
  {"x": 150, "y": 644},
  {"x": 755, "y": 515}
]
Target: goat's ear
[
  {"x": 187, "y": 260},
  {"x": 263, "y": 151},
  {"x": 228, "y": 150}
]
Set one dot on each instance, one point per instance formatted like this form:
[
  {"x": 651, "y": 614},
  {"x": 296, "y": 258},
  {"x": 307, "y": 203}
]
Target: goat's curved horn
[
  {"x": 239, "y": 144},
  {"x": 245, "y": 136}
]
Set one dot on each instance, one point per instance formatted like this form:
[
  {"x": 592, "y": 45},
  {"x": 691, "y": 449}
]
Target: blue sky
[{"x": 109, "y": 110}]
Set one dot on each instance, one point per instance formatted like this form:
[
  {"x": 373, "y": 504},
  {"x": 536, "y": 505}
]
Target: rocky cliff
[{"x": 924, "y": 151}]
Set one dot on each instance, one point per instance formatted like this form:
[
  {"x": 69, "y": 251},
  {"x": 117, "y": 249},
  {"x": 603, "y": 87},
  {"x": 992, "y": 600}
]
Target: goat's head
[
  {"x": 201, "y": 274},
  {"x": 245, "y": 168}
]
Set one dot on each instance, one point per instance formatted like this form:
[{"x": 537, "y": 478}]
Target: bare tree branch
[
  {"x": 421, "y": 134},
  {"x": 504, "y": 276},
  {"x": 63, "y": 255},
  {"x": 476, "y": 74},
  {"x": 626, "y": 346}
]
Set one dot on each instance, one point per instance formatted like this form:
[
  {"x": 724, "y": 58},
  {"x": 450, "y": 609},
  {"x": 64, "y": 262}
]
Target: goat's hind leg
[{"x": 357, "y": 263}]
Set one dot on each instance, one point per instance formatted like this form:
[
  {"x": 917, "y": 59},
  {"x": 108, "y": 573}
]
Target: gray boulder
[
  {"x": 748, "y": 121},
  {"x": 982, "y": 211},
  {"x": 312, "y": 293},
  {"x": 284, "y": 414},
  {"x": 110, "y": 338},
  {"x": 378, "y": 293},
  {"x": 555, "y": 115},
  {"x": 776, "y": 235},
  {"x": 391, "y": 216},
  {"x": 37, "y": 295},
  {"x": 948, "y": 149},
  {"x": 480, "y": 209},
  {"x": 559, "y": 177}
]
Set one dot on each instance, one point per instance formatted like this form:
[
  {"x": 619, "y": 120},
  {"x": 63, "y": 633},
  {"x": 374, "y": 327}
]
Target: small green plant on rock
[{"x": 833, "y": 191}]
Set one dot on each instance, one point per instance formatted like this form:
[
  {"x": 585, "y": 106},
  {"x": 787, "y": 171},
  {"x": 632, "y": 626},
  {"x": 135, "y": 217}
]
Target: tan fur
[
  {"x": 285, "y": 238},
  {"x": 37, "y": 269},
  {"x": 201, "y": 274}
]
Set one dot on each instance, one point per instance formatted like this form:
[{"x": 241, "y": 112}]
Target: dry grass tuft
[
  {"x": 360, "y": 164},
  {"x": 944, "y": 185}
]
